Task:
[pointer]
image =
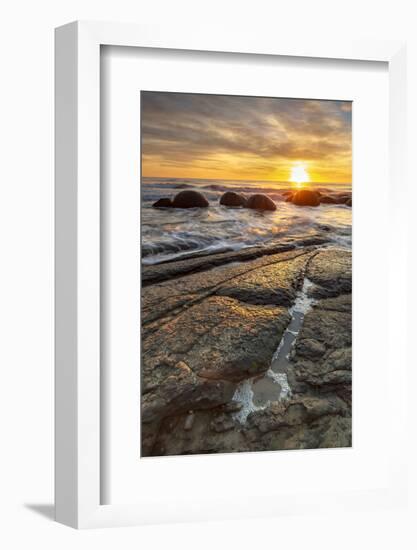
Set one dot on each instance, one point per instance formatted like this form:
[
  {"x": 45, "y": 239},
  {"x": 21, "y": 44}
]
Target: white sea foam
[
  {"x": 244, "y": 396},
  {"x": 171, "y": 233},
  {"x": 279, "y": 348},
  {"x": 303, "y": 301},
  {"x": 282, "y": 380}
]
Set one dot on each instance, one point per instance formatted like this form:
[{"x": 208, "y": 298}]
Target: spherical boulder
[
  {"x": 230, "y": 198},
  {"x": 306, "y": 197},
  {"x": 260, "y": 201},
  {"x": 190, "y": 199},
  {"x": 342, "y": 198},
  {"x": 327, "y": 199},
  {"x": 162, "y": 203}
]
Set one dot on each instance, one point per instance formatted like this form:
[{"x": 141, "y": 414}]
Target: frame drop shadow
[{"x": 45, "y": 510}]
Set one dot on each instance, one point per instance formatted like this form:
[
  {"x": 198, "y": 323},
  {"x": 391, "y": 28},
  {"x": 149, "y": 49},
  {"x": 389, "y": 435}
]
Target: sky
[{"x": 235, "y": 137}]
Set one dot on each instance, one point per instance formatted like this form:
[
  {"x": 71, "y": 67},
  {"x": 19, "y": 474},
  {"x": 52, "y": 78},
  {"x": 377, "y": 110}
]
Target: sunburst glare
[{"x": 299, "y": 175}]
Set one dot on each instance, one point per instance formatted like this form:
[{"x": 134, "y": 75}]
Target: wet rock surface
[
  {"x": 206, "y": 332},
  {"x": 230, "y": 198},
  {"x": 306, "y": 197},
  {"x": 327, "y": 199},
  {"x": 190, "y": 199},
  {"x": 259, "y": 201},
  {"x": 331, "y": 271},
  {"x": 162, "y": 203},
  {"x": 152, "y": 274}
]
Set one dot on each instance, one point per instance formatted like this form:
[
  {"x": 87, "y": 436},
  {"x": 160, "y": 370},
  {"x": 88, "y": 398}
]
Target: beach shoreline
[{"x": 169, "y": 234}]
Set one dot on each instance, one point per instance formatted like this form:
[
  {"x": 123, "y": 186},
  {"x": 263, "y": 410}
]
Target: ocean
[{"x": 171, "y": 233}]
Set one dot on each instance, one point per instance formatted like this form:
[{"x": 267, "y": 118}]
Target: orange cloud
[{"x": 233, "y": 137}]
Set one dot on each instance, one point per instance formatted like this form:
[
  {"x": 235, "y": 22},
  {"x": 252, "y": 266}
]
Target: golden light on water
[{"x": 299, "y": 175}]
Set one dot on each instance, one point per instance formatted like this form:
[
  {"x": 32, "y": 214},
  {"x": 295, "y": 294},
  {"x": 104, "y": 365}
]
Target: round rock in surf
[
  {"x": 260, "y": 201},
  {"x": 190, "y": 199},
  {"x": 343, "y": 198},
  {"x": 230, "y": 198},
  {"x": 328, "y": 199},
  {"x": 162, "y": 203},
  {"x": 306, "y": 197}
]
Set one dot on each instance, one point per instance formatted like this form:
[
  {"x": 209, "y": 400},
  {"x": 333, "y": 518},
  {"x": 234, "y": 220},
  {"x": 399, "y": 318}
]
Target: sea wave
[{"x": 168, "y": 234}]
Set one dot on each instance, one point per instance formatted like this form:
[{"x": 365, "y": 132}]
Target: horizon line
[{"x": 246, "y": 179}]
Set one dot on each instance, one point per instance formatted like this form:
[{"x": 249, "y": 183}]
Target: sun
[{"x": 299, "y": 175}]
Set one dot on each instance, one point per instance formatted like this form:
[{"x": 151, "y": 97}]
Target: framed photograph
[{"x": 216, "y": 345}]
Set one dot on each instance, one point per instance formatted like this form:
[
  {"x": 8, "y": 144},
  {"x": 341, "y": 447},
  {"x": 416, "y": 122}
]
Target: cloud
[{"x": 193, "y": 130}]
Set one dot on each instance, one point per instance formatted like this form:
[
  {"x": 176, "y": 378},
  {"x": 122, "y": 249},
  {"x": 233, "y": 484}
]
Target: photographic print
[{"x": 246, "y": 240}]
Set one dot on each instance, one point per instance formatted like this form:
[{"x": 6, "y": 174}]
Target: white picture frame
[{"x": 77, "y": 232}]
